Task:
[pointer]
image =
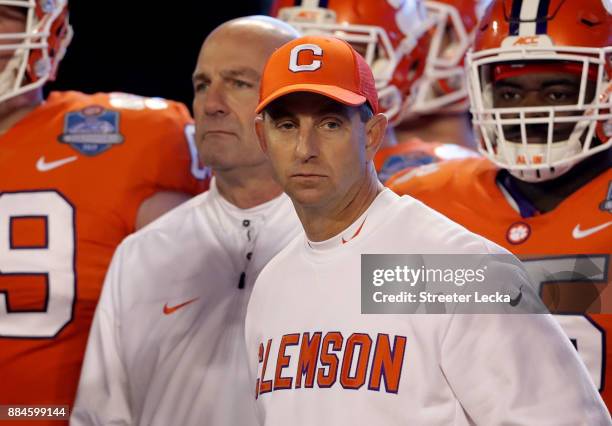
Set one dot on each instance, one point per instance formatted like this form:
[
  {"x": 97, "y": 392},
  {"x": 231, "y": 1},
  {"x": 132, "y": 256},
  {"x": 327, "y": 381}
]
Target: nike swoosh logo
[
  {"x": 43, "y": 166},
  {"x": 356, "y": 232},
  {"x": 578, "y": 233},
  {"x": 517, "y": 299},
  {"x": 171, "y": 309}
]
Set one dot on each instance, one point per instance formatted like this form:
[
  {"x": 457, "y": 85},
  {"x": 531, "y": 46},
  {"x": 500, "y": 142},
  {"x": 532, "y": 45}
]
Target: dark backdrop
[{"x": 143, "y": 47}]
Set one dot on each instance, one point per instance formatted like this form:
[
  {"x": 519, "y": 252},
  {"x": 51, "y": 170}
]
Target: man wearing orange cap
[
  {"x": 306, "y": 331},
  {"x": 415, "y": 49}
]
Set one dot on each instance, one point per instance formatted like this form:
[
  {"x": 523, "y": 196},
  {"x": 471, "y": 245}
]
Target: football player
[
  {"x": 79, "y": 173},
  {"x": 416, "y": 51},
  {"x": 540, "y": 84}
]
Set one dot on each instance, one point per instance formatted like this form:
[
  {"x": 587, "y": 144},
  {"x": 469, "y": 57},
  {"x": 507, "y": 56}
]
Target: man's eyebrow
[
  {"x": 507, "y": 84},
  {"x": 247, "y": 72},
  {"x": 561, "y": 81},
  {"x": 199, "y": 76},
  {"x": 548, "y": 83}
]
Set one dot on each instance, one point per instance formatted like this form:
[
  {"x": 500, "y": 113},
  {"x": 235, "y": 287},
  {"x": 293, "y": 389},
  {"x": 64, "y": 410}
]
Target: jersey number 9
[{"x": 37, "y": 244}]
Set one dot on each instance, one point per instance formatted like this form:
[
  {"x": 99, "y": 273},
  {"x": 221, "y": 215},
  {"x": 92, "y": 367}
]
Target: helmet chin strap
[
  {"x": 541, "y": 175},
  {"x": 559, "y": 152}
]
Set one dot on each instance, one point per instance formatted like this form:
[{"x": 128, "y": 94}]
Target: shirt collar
[{"x": 366, "y": 221}]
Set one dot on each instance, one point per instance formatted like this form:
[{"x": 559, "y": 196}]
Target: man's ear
[
  {"x": 260, "y": 131},
  {"x": 375, "y": 130}
]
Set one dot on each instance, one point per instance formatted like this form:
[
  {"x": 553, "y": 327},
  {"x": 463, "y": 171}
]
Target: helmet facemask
[
  {"x": 35, "y": 52},
  {"x": 442, "y": 86},
  {"x": 542, "y": 142}
]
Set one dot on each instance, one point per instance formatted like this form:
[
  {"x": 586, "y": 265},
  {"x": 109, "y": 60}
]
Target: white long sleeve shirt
[
  {"x": 316, "y": 360},
  {"x": 167, "y": 341}
]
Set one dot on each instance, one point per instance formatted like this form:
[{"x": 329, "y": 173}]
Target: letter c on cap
[{"x": 295, "y": 52}]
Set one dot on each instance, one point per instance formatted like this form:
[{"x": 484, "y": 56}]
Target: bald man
[{"x": 167, "y": 343}]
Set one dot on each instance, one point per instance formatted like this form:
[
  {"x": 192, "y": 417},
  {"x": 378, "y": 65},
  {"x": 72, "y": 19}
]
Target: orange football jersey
[
  {"x": 567, "y": 250},
  {"x": 413, "y": 153},
  {"x": 74, "y": 173}
]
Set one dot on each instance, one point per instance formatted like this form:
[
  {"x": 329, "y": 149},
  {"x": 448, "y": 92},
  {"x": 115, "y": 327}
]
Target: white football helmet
[
  {"x": 521, "y": 36},
  {"x": 443, "y": 86},
  {"x": 37, "y": 51}
]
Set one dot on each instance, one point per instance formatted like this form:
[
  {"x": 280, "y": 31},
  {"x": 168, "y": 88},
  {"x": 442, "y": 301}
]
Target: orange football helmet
[
  {"x": 443, "y": 86},
  {"x": 37, "y": 51},
  {"x": 392, "y": 35},
  {"x": 520, "y": 36}
]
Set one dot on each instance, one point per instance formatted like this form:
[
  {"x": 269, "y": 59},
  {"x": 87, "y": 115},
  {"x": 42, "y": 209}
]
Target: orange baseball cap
[{"x": 318, "y": 64}]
